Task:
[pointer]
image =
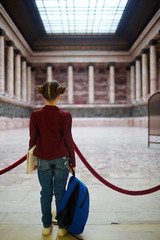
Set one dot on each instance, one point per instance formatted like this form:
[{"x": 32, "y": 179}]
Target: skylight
[{"x": 81, "y": 16}]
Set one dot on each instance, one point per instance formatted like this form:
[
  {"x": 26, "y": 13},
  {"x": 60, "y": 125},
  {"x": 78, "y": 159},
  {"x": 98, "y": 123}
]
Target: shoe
[
  {"x": 62, "y": 232},
  {"x": 46, "y": 231}
]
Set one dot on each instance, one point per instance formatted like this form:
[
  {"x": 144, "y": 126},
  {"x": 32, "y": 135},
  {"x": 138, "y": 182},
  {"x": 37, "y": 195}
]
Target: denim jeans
[{"x": 52, "y": 176}]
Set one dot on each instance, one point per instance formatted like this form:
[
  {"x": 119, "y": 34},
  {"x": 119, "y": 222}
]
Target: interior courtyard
[{"x": 107, "y": 54}]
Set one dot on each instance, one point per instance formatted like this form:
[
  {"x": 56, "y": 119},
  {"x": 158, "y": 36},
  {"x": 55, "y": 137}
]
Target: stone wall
[
  {"x": 107, "y": 111},
  {"x": 16, "y": 115},
  {"x": 40, "y": 78},
  {"x": 9, "y": 109},
  {"x": 14, "y": 111},
  {"x": 101, "y": 85},
  {"x": 61, "y": 75},
  {"x": 80, "y": 78},
  {"x": 121, "y": 84}
]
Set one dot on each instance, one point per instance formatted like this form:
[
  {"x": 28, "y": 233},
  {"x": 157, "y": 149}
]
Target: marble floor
[{"x": 119, "y": 154}]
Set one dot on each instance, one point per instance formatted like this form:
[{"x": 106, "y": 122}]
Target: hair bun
[
  {"x": 60, "y": 90},
  {"x": 40, "y": 89}
]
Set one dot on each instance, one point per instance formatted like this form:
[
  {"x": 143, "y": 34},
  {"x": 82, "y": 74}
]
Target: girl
[{"x": 50, "y": 131}]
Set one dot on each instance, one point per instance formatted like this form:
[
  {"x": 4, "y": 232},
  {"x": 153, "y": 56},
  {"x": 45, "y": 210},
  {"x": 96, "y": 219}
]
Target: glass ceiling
[{"x": 81, "y": 16}]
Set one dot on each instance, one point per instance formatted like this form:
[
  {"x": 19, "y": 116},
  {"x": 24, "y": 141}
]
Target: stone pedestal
[
  {"x": 90, "y": 83},
  {"x": 29, "y": 86},
  {"x": 153, "y": 67},
  {"x": 138, "y": 78},
  {"x": 112, "y": 84},
  {"x": 132, "y": 82},
  {"x": 49, "y": 72},
  {"x": 70, "y": 84},
  {"x": 24, "y": 83},
  {"x": 10, "y": 69},
  {"x": 18, "y": 75},
  {"x": 144, "y": 73},
  {"x": 2, "y": 63}
]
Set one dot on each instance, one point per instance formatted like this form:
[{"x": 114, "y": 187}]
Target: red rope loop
[
  {"x": 101, "y": 179},
  {"x": 108, "y": 184},
  {"x": 7, "y": 169}
]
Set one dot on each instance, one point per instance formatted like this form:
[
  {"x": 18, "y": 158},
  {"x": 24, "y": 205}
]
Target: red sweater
[{"x": 50, "y": 130}]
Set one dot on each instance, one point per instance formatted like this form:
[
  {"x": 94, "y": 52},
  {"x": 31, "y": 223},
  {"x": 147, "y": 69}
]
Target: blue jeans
[{"x": 52, "y": 176}]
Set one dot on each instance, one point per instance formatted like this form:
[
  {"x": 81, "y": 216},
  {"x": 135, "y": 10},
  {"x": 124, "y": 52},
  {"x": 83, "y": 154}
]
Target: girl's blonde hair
[{"x": 51, "y": 89}]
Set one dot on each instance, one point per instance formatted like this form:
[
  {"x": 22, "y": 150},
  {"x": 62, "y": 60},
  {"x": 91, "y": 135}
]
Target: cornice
[
  {"x": 79, "y": 56},
  {"x": 149, "y": 33},
  {"x": 13, "y": 33}
]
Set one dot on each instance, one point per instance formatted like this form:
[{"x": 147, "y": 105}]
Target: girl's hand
[{"x": 70, "y": 170}]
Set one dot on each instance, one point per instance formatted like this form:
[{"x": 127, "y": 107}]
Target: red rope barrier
[
  {"x": 101, "y": 179},
  {"x": 13, "y": 165},
  {"x": 108, "y": 184}
]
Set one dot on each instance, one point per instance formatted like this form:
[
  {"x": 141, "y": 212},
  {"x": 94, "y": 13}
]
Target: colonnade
[
  {"x": 143, "y": 74},
  {"x": 91, "y": 89},
  {"x": 20, "y": 76},
  {"x": 16, "y": 75}
]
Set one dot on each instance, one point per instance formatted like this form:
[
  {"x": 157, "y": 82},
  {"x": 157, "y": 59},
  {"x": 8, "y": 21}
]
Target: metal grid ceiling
[{"x": 81, "y": 16}]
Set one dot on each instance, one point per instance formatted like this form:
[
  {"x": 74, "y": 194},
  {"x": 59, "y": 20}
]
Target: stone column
[
  {"x": 91, "y": 83},
  {"x": 10, "y": 69},
  {"x": 111, "y": 83},
  {"x": 18, "y": 74},
  {"x": 153, "y": 67},
  {"x": 29, "y": 85},
  {"x": 2, "y": 63},
  {"x": 128, "y": 83},
  {"x": 70, "y": 83},
  {"x": 144, "y": 73},
  {"x": 158, "y": 73},
  {"x": 132, "y": 82},
  {"x": 138, "y": 78},
  {"x": 32, "y": 85},
  {"x": 24, "y": 82},
  {"x": 49, "y": 72}
]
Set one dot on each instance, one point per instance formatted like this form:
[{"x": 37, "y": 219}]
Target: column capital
[
  {"x": 152, "y": 42},
  {"x": 10, "y": 43},
  {"x": 17, "y": 52},
  {"x": 70, "y": 64},
  {"x": 2, "y": 32},
  {"x": 111, "y": 64},
  {"x": 90, "y": 64},
  {"x": 138, "y": 58},
  {"x": 29, "y": 64},
  {"x": 49, "y": 64},
  {"x": 144, "y": 50},
  {"x": 23, "y": 58},
  {"x": 132, "y": 64}
]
